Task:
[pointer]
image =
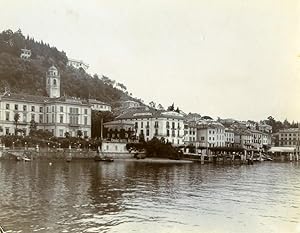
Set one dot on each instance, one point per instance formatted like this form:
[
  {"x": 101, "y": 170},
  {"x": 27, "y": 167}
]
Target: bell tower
[{"x": 53, "y": 82}]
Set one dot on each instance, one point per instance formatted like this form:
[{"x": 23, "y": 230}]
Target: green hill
[{"x": 28, "y": 76}]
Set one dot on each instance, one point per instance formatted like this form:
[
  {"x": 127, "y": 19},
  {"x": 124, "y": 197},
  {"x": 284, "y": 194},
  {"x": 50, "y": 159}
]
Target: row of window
[
  {"x": 291, "y": 134},
  {"x": 73, "y": 119},
  {"x": 60, "y": 134},
  {"x": 41, "y": 109}
]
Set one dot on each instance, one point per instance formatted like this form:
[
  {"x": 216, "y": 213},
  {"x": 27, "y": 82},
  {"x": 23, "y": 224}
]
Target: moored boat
[{"x": 98, "y": 158}]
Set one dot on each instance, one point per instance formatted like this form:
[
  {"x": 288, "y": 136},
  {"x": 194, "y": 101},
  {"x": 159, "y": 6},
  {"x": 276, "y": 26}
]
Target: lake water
[{"x": 128, "y": 196}]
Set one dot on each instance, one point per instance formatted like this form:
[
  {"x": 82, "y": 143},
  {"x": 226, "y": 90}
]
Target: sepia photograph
[{"x": 161, "y": 116}]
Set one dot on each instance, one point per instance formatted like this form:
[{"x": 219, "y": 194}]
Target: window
[
  {"x": 85, "y": 133},
  {"x": 7, "y": 116},
  {"x": 47, "y": 109},
  {"x": 32, "y": 109},
  {"x": 24, "y": 117},
  {"x": 53, "y": 117},
  {"x": 202, "y": 139},
  {"x": 168, "y": 133},
  {"x": 168, "y": 125},
  {"x": 24, "y": 108},
  {"x": 147, "y": 132},
  {"x": 41, "y": 118},
  {"x": 156, "y": 132},
  {"x": 85, "y": 120},
  {"x": 173, "y": 133},
  {"x": 142, "y": 124},
  {"x": 47, "y": 118},
  {"x": 54, "y": 82},
  {"x": 16, "y": 107},
  {"x": 74, "y": 110},
  {"x": 7, "y": 106},
  {"x": 32, "y": 117},
  {"x": 7, "y": 131},
  {"x": 41, "y": 109},
  {"x": 85, "y": 111},
  {"x": 53, "y": 108},
  {"x": 61, "y": 109},
  {"x": 61, "y": 132},
  {"x": 61, "y": 118},
  {"x": 156, "y": 124}
]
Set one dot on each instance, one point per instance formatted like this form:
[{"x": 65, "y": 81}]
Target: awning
[{"x": 282, "y": 149}]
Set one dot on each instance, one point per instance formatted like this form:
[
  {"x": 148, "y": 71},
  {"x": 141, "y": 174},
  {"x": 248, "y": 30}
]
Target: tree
[
  {"x": 152, "y": 104},
  {"x": 79, "y": 133},
  {"x": 171, "y": 108},
  {"x": 67, "y": 134},
  {"x": 160, "y": 107},
  {"x": 16, "y": 120},
  {"x": 33, "y": 125}
]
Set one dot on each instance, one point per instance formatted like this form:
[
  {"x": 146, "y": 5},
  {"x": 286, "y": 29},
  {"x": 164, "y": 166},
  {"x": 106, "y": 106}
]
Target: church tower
[{"x": 53, "y": 82}]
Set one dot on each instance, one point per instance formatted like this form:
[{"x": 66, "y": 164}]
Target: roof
[
  {"x": 149, "y": 113},
  {"x": 290, "y": 130},
  {"x": 209, "y": 124},
  {"x": 118, "y": 123},
  {"x": 25, "y": 97},
  {"x": 282, "y": 149},
  {"x": 94, "y": 101},
  {"x": 53, "y": 68},
  {"x": 41, "y": 99}
]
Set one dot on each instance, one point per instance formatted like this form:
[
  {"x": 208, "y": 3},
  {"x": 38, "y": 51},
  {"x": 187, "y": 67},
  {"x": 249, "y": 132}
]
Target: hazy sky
[{"x": 227, "y": 58}]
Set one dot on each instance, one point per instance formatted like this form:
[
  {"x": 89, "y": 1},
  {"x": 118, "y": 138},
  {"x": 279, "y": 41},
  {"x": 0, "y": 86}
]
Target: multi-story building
[
  {"x": 242, "y": 138},
  {"x": 210, "y": 134},
  {"x": 190, "y": 133},
  {"x": 59, "y": 115},
  {"x": 149, "y": 123},
  {"x": 263, "y": 127},
  {"x": 256, "y": 139},
  {"x": 289, "y": 137},
  {"x": 229, "y": 137},
  {"x": 97, "y": 105}
]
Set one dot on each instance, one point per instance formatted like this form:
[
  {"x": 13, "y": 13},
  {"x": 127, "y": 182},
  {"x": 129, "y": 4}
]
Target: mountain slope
[{"x": 28, "y": 76}]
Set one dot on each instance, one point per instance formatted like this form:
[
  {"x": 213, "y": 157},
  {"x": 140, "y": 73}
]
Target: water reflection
[{"x": 83, "y": 196}]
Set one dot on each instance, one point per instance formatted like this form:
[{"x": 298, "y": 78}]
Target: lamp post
[
  {"x": 48, "y": 145},
  {"x": 13, "y": 145}
]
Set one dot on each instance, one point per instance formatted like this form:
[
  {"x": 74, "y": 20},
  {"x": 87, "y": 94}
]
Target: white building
[
  {"x": 97, "y": 105},
  {"x": 25, "y": 54},
  {"x": 210, "y": 134},
  {"x": 77, "y": 64},
  {"x": 153, "y": 123},
  {"x": 56, "y": 114}
]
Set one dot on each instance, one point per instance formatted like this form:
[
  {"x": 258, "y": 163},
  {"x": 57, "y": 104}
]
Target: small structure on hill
[{"x": 25, "y": 54}]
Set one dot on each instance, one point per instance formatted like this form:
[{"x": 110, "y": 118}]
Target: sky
[{"x": 223, "y": 58}]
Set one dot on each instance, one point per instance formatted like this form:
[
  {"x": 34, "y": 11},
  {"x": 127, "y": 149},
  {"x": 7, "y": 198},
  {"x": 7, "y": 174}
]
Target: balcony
[{"x": 73, "y": 124}]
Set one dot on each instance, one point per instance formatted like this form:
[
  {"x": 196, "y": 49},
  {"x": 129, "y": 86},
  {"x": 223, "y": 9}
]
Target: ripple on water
[{"x": 133, "y": 197}]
